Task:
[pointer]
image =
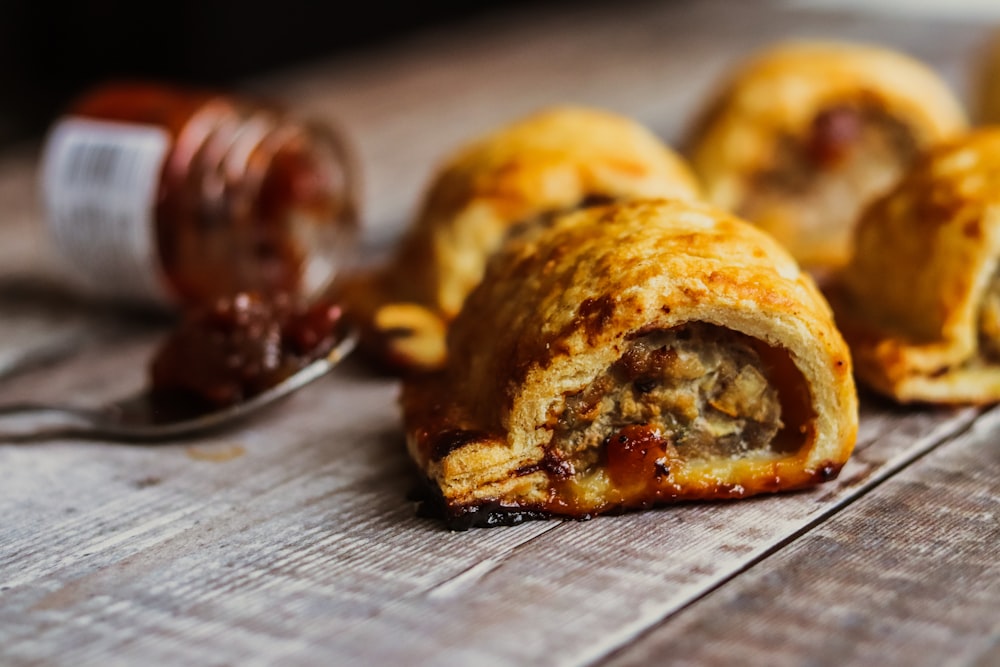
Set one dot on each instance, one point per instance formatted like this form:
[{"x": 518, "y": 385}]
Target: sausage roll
[
  {"x": 919, "y": 302},
  {"x": 631, "y": 355},
  {"x": 500, "y": 186},
  {"x": 807, "y": 133}
]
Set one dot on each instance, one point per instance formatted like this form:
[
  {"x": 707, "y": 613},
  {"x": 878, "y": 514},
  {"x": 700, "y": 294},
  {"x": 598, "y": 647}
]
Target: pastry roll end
[{"x": 806, "y": 133}]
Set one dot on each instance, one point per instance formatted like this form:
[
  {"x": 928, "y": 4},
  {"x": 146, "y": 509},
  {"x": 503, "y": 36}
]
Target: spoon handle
[{"x": 33, "y": 421}]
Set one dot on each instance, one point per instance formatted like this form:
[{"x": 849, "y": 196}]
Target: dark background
[{"x": 50, "y": 52}]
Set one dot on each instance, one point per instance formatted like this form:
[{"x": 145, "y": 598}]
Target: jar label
[{"x": 99, "y": 186}]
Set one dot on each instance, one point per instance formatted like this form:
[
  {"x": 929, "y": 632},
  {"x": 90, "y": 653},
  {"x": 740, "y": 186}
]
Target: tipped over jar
[{"x": 178, "y": 197}]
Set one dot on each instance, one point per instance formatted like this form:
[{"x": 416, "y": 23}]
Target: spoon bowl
[{"x": 137, "y": 418}]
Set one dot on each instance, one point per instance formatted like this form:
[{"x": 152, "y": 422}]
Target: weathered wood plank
[
  {"x": 909, "y": 576},
  {"x": 304, "y": 545}
]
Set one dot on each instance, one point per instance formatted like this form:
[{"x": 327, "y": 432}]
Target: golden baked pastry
[
  {"x": 806, "y": 133},
  {"x": 553, "y": 161},
  {"x": 920, "y": 301},
  {"x": 631, "y": 355}
]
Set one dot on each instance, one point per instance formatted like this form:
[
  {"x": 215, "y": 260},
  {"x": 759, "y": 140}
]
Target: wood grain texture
[
  {"x": 290, "y": 539},
  {"x": 909, "y": 576},
  {"x": 305, "y": 545}
]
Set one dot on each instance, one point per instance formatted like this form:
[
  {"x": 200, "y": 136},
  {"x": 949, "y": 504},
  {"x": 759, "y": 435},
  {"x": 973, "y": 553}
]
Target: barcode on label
[
  {"x": 99, "y": 183},
  {"x": 94, "y": 162}
]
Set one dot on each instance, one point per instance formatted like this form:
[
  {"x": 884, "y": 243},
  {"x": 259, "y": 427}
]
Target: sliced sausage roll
[
  {"x": 502, "y": 185},
  {"x": 920, "y": 301},
  {"x": 806, "y": 134},
  {"x": 632, "y": 355}
]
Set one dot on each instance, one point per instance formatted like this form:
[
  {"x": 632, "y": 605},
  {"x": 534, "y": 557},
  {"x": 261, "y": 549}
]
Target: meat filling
[
  {"x": 989, "y": 321},
  {"x": 524, "y": 228},
  {"x": 816, "y": 185},
  {"x": 703, "y": 387}
]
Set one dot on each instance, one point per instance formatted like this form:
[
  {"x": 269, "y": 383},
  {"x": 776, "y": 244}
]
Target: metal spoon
[{"x": 133, "y": 419}]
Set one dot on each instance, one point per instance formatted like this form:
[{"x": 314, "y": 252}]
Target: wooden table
[{"x": 290, "y": 539}]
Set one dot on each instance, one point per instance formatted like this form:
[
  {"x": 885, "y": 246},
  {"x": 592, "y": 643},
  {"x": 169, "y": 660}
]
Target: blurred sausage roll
[
  {"x": 627, "y": 356},
  {"x": 502, "y": 185},
  {"x": 807, "y": 133},
  {"x": 920, "y": 301}
]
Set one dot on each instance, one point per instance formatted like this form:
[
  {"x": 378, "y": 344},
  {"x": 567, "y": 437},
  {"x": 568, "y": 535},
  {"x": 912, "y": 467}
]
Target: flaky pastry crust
[
  {"x": 552, "y": 161},
  {"x": 795, "y": 96},
  {"x": 911, "y": 302},
  {"x": 557, "y": 310}
]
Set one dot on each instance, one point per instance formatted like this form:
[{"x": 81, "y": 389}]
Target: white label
[{"x": 99, "y": 184}]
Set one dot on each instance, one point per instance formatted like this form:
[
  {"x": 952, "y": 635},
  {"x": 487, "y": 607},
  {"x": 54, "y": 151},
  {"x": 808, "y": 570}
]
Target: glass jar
[{"x": 178, "y": 196}]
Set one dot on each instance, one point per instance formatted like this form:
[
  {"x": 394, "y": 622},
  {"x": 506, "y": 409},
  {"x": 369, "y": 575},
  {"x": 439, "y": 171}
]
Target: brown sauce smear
[{"x": 637, "y": 455}]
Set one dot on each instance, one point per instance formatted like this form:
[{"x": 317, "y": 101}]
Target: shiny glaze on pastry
[{"x": 630, "y": 355}]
